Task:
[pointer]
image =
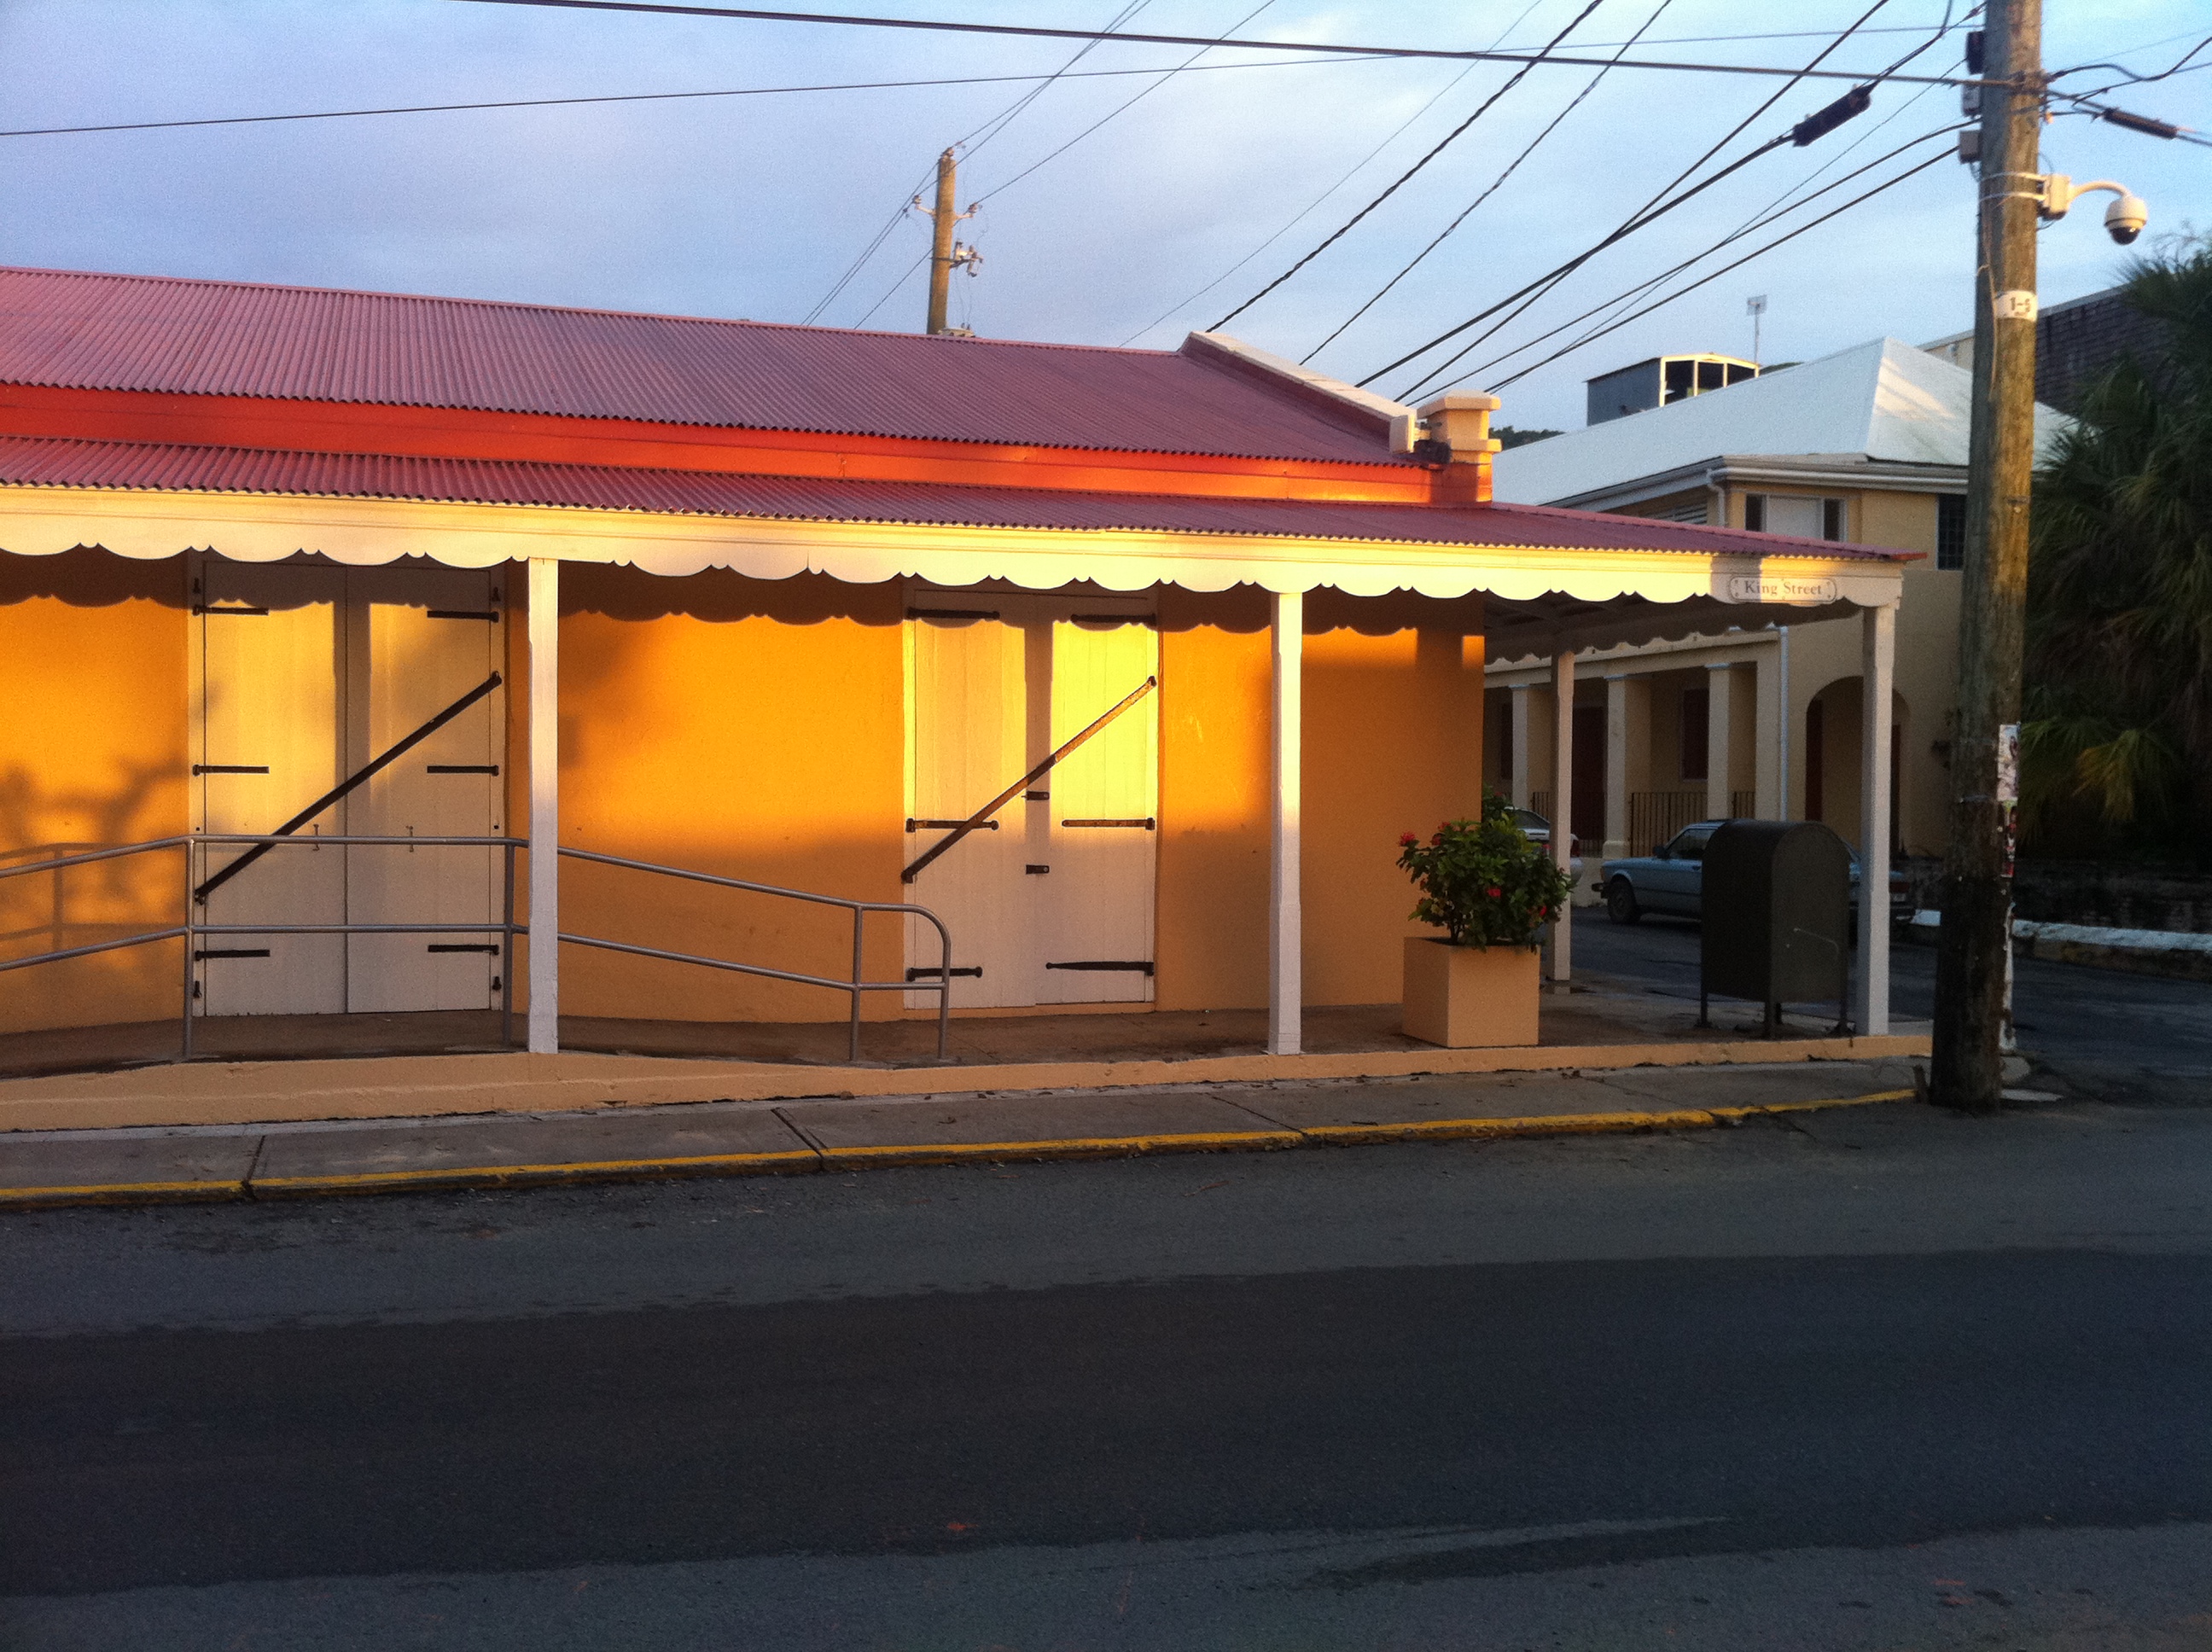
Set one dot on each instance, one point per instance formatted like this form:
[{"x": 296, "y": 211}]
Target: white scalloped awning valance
[{"x": 1540, "y": 588}]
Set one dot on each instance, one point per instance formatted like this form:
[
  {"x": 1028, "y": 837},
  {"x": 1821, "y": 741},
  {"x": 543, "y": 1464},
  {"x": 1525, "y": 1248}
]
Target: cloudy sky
[{"x": 1180, "y": 206}]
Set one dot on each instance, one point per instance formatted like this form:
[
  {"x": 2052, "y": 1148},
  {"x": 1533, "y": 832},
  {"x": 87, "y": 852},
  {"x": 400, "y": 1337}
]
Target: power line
[
  {"x": 1358, "y": 167},
  {"x": 999, "y": 121},
  {"x": 990, "y": 129},
  {"x": 1656, "y": 206},
  {"x": 1444, "y": 143},
  {"x": 1910, "y": 172},
  {"x": 1496, "y": 184},
  {"x": 1033, "y": 32},
  {"x": 1775, "y": 211},
  {"x": 653, "y": 97},
  {"x": 1781, "y": 206},
  {"x": 903, "y": 277},
  {"x": 1125, "y": 106}
]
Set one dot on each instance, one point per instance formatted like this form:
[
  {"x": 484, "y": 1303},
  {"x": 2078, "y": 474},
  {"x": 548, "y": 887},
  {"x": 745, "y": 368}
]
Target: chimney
[{"x": 1458, "y": 424}]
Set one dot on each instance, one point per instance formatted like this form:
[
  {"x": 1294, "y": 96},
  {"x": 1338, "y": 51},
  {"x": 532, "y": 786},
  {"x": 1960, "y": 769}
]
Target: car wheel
[{"x": 1620, "y": 901}]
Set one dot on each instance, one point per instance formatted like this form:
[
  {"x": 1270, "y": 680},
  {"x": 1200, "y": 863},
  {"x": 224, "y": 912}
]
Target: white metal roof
[{"x": 1882, "y": 401}]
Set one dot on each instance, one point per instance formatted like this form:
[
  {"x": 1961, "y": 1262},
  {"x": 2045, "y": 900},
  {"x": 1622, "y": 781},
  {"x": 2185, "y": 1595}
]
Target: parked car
[
  {"x": 1537, "y": 829},
  {"x": 1671, "y": 880}
]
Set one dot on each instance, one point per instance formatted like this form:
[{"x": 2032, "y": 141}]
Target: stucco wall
[
  {"x": 1392, "y": 744},
  {"x": 757, "y": 729},
  {"x": 746, "y": 727},
  {"x": 93, "y": 749}
]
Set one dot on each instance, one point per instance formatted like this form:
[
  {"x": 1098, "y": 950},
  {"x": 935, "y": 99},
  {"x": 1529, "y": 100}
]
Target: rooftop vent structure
[{"x": 1662, "y": 379}]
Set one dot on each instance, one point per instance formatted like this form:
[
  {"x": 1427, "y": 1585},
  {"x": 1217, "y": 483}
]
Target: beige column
[
  {"x": 545, "y": 806},
  {"x": 1877, "y": 673},
  {"x": 1766, "y": 772},
  {"x": 1563, "y": 800},
  {"x": 1627, "y": 756},
  {"x": 1720, "y": 708},
  {"x": 1286, "y": 918},
  {"x": 1518, "y": 780}
]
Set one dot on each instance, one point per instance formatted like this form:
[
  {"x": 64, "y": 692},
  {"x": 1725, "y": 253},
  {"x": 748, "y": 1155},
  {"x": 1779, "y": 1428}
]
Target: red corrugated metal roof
[
  {"x": 217, "y": 337},
  {"x": 62, "y": 462}
]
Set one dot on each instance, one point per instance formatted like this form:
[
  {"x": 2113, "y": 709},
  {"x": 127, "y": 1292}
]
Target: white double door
[
  {"x": 1051, "y": 900},
  {"x": 307, "y": 673}
]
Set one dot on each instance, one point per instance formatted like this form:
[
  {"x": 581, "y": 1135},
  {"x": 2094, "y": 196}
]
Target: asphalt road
[
  {"x": 2101, "y": 1032},
  {"x": 1881, "y": 1378}
]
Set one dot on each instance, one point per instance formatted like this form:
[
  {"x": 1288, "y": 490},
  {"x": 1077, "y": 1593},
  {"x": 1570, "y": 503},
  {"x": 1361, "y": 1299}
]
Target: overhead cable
[
  {"x": 658, "y": 97},
  {"x": 1657, "y": 205},
  {"x": 1442, "y": 143},
  {"x": 1495, "y": 184},
  {"x": 978, "y": 136},
  {"x": 1313, "y": 206},
  {"x": 1035, "y": 32},
  {"x": 999, "y": 123},
  {"x": 1909, "y": 172},
  {"x": 1124, "y": 107},
  {"x": 1774, "y": 214}
]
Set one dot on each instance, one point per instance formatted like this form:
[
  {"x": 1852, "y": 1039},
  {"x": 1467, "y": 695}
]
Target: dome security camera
[{"x": 2125, "y": 218}]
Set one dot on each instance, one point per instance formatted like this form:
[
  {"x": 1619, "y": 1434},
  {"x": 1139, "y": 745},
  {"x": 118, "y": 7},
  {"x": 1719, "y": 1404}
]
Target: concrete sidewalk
[{"x": 47, "y": 1168}]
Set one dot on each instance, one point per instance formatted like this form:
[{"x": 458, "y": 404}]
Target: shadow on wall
[
  {"x": 92, "y": 753},
  {"x": 87, "y": 576}
]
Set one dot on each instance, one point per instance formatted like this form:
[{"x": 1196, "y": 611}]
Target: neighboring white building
[{"x": 1868, "y": 446}]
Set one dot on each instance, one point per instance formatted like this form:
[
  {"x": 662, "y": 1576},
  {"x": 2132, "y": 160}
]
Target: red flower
[
  {"x": 1436, "y": 840},
  {"x": 1406, "y": 840},
  {"x": 1494, "y": 892}
]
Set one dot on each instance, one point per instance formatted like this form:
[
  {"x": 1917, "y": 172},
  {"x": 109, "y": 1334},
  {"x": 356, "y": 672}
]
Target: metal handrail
[
  {"x": 505, "y": 925},
  {"x": 860, "y": 910}
]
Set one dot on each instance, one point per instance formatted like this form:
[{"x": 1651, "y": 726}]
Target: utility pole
[
  {"x": 945, "y": 254},
  {"x": 1975, "y": 941}
]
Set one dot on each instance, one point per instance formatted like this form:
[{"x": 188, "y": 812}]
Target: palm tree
[{"x": 2119, "y": 652}]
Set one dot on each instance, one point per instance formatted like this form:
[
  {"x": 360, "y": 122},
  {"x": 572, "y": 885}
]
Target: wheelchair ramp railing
[
  {"x": 856, "y": 984},
  {"x": 192, "y": 930}
]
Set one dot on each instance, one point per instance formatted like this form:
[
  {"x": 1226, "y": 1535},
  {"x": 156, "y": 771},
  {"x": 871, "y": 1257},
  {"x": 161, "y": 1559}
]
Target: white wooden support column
[
  {"x": 1877, "y": 671},
  {"x": 545, "y": 806},
  {"x": 1720, "y": 706},
  {"x": 1562, "y": 800},
  {"x": 1285, "y": 928},
  {"x": 1523, "y": 750}
]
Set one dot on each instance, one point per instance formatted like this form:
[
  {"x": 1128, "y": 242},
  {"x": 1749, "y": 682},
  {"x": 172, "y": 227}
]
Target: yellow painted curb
[
  {"x": 803, "y": 1160},
  {"x": 796, "y": 1161},
  {"x": 123, "y": 1192},
  {"x": 1572, "y": 1124},
  {"x": 1205, "y": 1141}
]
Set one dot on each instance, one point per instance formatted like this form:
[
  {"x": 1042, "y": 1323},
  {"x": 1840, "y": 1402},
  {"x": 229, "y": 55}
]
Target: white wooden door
[
  {"x": 309, "y": 673},
  {"x": 425, "y": 638},
  {"x": 998, "y": 682},
  {"x": 1097, "y": 926},
  {"x": 967, "y": 738},
  {"x": 272, "y": 657}
]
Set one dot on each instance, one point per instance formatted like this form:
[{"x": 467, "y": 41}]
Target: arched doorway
[{"x": 1832, "y": 738}]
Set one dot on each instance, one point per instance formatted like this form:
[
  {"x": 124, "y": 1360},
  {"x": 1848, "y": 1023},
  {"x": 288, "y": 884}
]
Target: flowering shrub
[{"x": 1483, "y": 881}]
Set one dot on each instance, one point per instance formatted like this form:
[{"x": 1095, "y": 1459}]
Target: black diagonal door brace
[
  {"x": 1022, "y": 784},
  {"x": 201, "y": 894}
]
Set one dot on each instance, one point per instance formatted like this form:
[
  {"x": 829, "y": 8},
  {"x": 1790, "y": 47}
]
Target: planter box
[{"x": 1465, "y": 997}]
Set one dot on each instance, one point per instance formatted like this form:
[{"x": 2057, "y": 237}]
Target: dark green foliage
[
  {"x": 1509, "y": 437},
  {"x": 1482, "y": 881},
  {"x": 2118, "y": 744}
]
